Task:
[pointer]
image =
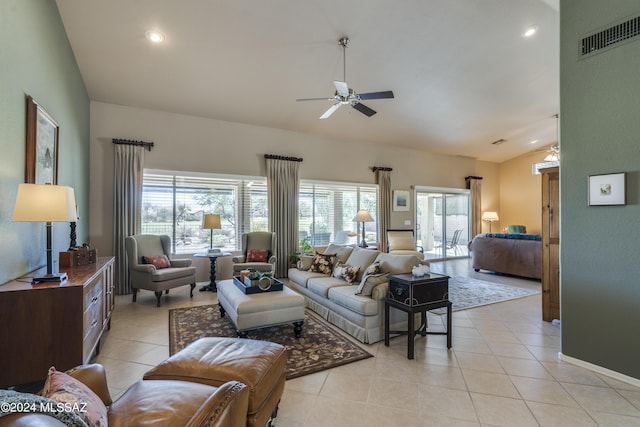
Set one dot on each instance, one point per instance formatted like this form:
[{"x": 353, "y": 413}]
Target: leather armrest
[
  {"x": 180, "y": 263},
  {"x": 227, "y": 406},
  {"x": 25, "y": 419},
  {"x": 94, "y": 377}
]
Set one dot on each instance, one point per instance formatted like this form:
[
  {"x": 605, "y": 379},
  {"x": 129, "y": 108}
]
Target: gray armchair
[
  {"x": 256, "y": 241},
  {"x": 147, "y": 276}
]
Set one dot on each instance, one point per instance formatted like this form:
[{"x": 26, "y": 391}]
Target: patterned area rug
[
  {"x": 321, "y": 346},
  {"x": 465, "y": 293}
]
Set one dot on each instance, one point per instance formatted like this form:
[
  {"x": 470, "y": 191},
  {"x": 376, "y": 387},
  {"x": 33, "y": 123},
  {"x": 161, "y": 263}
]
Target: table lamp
[
  {"x": 45, "y": 203},
  {"x": 211, "y": 222},
  {"x": 490, "y": 217},
  {"x": 363, "y": 216}
]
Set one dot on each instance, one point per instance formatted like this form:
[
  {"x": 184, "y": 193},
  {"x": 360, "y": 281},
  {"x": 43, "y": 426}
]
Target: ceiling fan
[{"x": 347, "y": 96}]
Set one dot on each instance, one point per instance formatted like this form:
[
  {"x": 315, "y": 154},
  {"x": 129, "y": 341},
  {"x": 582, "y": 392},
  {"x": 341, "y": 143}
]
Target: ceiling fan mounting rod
[{"x": 344, "y": 42}]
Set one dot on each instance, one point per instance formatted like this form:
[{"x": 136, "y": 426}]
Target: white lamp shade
[
  {"x": 45, "y": 203},
  {"x": 211, "y": 222},
  {"x": 363, "y": 216},
  {"x": 490, "y": 216}
]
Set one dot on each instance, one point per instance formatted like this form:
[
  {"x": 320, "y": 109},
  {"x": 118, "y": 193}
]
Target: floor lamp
[
  {"x": 45, "y": 203},
  {"x": 363, "y": 216},
  {"x": 490, "y": 217}
]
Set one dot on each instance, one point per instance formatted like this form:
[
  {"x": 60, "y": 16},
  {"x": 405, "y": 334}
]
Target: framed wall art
[
  {"x": 42, "y": 145},
  {"x": 607, "y": 189},
  {"x": 400, "y": 200}
]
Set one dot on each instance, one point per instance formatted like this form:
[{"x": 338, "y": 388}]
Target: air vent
[{"x": 611, "y": 36}]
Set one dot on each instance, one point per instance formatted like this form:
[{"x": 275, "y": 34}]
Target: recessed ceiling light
[
  {"x": 530, "y": 31},
  {"x": 154, "y": 36},
  {"x": 533, "y": 141}
]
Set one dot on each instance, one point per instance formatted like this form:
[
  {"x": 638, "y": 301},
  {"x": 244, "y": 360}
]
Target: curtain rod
[
  {"x": 472, "y": 177},
  {"x": 276, "y": 157},
  {"x": 147, "y": 145},
  {"x": 381, "y": 168}
]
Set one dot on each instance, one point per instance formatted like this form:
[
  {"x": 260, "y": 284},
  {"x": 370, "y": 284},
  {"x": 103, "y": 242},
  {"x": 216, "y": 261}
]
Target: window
[
  {"x": 173, "y": 203},
  {"x": 326, "y": 212}
]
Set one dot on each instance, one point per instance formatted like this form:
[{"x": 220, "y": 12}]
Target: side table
[
  {"x": 417, "y": 295},
  {"x": 213, "y": 257}
]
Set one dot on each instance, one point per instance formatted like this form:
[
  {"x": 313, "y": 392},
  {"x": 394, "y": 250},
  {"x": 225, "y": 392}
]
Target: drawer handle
[
  {"x": 94, "y": 323},
  {"x": 94, "y": 299}
]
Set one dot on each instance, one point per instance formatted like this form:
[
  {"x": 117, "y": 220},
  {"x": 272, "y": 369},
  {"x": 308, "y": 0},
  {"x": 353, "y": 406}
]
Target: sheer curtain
[
  {"x": 283, "y": 185},
  {"x": 127, "y": 203},
  {"x": 383, "y": 179},
  {"x": 474, "y": 183}
]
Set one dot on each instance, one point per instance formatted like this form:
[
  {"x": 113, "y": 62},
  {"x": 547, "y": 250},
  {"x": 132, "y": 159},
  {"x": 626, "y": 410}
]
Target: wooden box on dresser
[{"x": 53, "y": 324}]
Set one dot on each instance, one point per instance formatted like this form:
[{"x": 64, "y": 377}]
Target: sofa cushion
[
  {"x": 322, "y": 263},
  {"x": 301, "y": 276},
  {"x": 172, "y": 273},
  {"x": 361, "y": 258},
  {"x": 516, "y": 229},
  {"x": 321, "y": 285},
  {"x": 345, "y": 296},
  {"x": 342, "y": 252},
  {"x": 396, "y": 264}
]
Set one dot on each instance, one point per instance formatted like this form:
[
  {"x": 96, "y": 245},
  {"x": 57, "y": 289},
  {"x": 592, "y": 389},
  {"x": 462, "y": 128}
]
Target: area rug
[
  {"x": 465, "y": 293},
  {"x": 320, "y": 347}
]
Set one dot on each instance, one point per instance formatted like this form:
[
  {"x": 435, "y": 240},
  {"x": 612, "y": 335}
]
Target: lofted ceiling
[{"x": 461, "y": 71}]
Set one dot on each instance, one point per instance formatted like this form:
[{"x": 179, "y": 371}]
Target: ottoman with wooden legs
[{"x": 260, "y": 365}]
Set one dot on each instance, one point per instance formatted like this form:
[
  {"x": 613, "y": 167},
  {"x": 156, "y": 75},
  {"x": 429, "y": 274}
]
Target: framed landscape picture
[
  {"x": 42, "y": 145},
  {"x": 607, "y": 190},
  {"x": 400, "y": 200}
]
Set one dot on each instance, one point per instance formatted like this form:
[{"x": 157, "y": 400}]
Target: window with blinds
[
  {"x": 326, "y": 211},
  {"x": 174, "y": 203}
]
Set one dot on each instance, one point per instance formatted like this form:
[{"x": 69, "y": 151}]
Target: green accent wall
[
  {"x": 36, "y": 59},
  {"x": 599, "y": 134}
]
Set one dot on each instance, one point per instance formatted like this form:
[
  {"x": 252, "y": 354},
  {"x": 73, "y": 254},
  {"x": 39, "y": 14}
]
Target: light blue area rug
[{"x": 465, "y": 293}]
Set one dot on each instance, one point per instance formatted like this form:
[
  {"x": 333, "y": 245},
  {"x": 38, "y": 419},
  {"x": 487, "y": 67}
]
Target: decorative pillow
[
  {"x": 516, "y": 229},
  {"x": 370, "y": 281},
  {"x": 76, "y": 396},
  {"x": 257, "y": 255},
  {"x": 322, "y": 263},
  {"x": 346, "y": 272},
  {"x": 159, "y": 261},
  {"x": 304, "y": 263},
  {"x": 373, "y": 269}
]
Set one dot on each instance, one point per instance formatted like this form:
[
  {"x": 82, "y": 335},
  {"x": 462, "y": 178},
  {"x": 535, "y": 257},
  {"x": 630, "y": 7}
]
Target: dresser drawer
[{"x": 417, "y": 293}]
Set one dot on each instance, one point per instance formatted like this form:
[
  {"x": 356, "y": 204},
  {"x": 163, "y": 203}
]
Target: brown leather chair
[{"x": 156, "y": 402}]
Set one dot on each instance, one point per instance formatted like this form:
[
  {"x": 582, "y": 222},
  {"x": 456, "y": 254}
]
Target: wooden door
[{"x": 550, "y": 244}]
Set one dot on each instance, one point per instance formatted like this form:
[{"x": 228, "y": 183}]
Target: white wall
[{"x": 204, "y": 145}]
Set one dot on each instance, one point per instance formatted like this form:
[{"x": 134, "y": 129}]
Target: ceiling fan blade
[
  {"x": 376, "y": 95},
  {"x": 315, "y": 99},
  {"x": 341, "y": 87},
  {"x": 364, "y": 109},
  {"x": 331, "y": 110}
]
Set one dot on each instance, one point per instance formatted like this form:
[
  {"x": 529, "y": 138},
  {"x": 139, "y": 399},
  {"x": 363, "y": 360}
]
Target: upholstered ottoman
[
  {"x": 260, "y": 365},
  {"x": 253, "y": 311}
]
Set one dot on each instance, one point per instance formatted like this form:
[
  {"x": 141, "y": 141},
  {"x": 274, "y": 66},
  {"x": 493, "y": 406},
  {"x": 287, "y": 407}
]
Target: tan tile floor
[{"x": 503, "y": 370}]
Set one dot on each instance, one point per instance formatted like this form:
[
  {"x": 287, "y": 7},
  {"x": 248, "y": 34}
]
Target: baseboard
[{"x": 600, "y": 370}]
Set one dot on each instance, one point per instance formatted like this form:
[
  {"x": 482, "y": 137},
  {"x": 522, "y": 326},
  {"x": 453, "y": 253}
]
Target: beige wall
[
  {"x": 521, "y": 193},
  {"x": 205, "y": 145}
]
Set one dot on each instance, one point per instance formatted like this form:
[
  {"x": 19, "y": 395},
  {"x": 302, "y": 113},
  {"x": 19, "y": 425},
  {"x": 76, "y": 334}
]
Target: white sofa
[{"x": 360, "y": 315}]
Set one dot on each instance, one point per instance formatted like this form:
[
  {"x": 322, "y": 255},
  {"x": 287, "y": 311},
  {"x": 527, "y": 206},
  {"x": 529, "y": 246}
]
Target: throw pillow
[
  {"x": 304, "y": 263},
  {"x": 346, "y": 272},
  {"x": 373, "y": 269},
  {"x": 370, "y": 281},
  {"x": 322, "y": 263},
  {"x": 76, "y": 396},
  {"x": 257, "y": 255},
  {"x": 159, "y": 261}
]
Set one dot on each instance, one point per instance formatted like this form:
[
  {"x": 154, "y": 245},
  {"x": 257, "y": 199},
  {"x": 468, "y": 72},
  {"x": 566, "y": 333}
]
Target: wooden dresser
[{"x": 53, "y": 324}]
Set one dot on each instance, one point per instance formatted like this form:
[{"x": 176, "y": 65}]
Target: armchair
[
  {"x": 151, "y": 268},
  {"x": 258, "y": 252},
  {"x": 402, "y": 242}
]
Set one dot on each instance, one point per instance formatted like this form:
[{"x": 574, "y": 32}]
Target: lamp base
[
  {"x": 363, "y": 244},
  {"x": 60, "y": 277}
]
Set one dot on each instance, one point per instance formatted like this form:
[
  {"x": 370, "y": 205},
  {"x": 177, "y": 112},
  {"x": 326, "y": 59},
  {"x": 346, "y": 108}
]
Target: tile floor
[{"x": 503, "y": 370}]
